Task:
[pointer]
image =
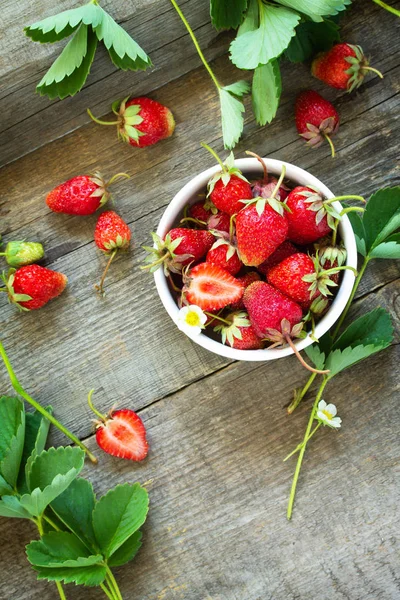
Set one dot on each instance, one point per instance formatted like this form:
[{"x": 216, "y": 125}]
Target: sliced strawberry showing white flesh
[
  {"x": 123, "y": 434},
  {"x": 211, "y": 287}
]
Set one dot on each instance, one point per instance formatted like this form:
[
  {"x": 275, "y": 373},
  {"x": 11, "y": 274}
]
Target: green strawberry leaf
[
  {"x": 231, "y": 118},
  {"x": 12, "y": 420},
  {"x": 69, "y": 72},
  {"x": 388, "y": 249},
  {"x": 315, "y": 9},
  {"x": 259, "y": 46},
  {"x": 315, "y": 354},
  {"x": 89, "y": 576},
  {"x": 5, "y": 488},
  {"x": 50, "y": 474},
  {"x": 227, "y": 14},
  {"x": 127, "y": 551},
  {"x": 60, "y": 26},
  {"x": 359, "y": 232},
  {"x": 251, "y": 20},
  {"x": 124, "y": 51},
  {"x": 60, "y": 549},
  {"x": 11, "y": 507},
  {"x": 74, "y": 508},
  {"x": 381, "y": 217},
  {"x": 36, "y": 432},
  {"x": 266, "y": 92},
  {"x": 118, "y": 515},
  {"x": 311, "y": 38}
]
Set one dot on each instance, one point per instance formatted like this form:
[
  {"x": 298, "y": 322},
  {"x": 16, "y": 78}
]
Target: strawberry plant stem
[
  {"x": 262, "y": 162},
  {"x": 303, "y": 448},
  {"x": 216, "y": 317},
  {"x": 390, "y": 9},
  {"x": 196, "y": 44},
  {"x": 39, "y": 523},
  {"x": 96, "y": 120},
  {"x": 20, "y": 390},
  {"x": 301, "y": 445},
  {"x": 107, "y": 592},
  {"x": 328, "y": 139},
  {"x": 91, "y": 406},
  {"x": 113, "y": 583},
  {"x": 215, "y": 155},
  {"x": 301, "y": 359},
  {"x": 60, "y": 591},
  {"x": 293, "y": 405},
  {"x": 99, "y": 287},
  {"x": 279, "y": 182}
]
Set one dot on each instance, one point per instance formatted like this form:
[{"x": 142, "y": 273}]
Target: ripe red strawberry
[
  {"x": 344, "y": 67},
  {"x": 141, "y": 121},
  {"x": 219, "y": 222},
  {"x": 316, "y": 119},
  {"x": 199, "y": 212},
  {"x": 264, "y": 188},
  {"x": 261, "y": 227},
  {"x": 110, "y": 235},
  {"x": 121, "y": 433},
  {"x": 247, "y": 279},
  {"x": 223, "y": 254},
  {"x": 239, "y": 333},
  {"x": 32, "y": 286},
  {"x": 211, "y": 287},
  {"x": 228, "y": 187},
  {"x": 283, "y": 251},
  {"x": 81, "y": 195},
  {"x": 310, "y": 218},
  {"x": 181, "y": 247},
  {"x": 267, "y": 307}
]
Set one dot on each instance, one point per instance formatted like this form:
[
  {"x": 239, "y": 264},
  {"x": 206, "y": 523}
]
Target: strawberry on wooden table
[
  {"x": 211, "y": 287},
  {"x": 111, "y": 235},
  {"x": 81, "y": 195},
  {"x": 344, "y": 67},
  {"x": 21, "y": 253},
  {"x": 120, "y": 433},
  {"x": 316, "y": 119},
  {"x": 32, "y": 286},
  {"x": 140, "y": 121}
]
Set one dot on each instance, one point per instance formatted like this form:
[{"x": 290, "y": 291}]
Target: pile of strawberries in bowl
[{"x": 254, "y": 259}]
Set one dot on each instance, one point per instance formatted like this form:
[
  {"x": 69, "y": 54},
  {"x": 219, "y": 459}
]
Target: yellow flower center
[
  {"x": 193, "y": 319},
  {"x": 327, "y": 414}
]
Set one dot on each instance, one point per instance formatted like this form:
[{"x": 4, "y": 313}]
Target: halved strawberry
[
  {"x": 211, "y": 287},
  {"x": 123, "y": 434}
]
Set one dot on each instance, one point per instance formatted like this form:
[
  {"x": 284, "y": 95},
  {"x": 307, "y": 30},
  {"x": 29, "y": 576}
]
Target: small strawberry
[
  {"x": 110, "y": 235},
  {"x": 283, "y": 251},
  {"x": 180, "y": 248},
  {"x": 199, "y": 212},
  {"x": 32, "y": 286},
  {"x": 247, "y": 279},
  {"x": 311, "y": 216},
  {"x": 19, "y": 254},
  {"x": 219, "y": 222},
  {"x": 228, "y": 187},
  {"x": 211, "y": 288},
  {"x": 330, "y": 255},
  {"x": 264, "y": 188},
  {"x": 223, "y": 254},
  {"x": 316, "y": 119},
  {"x": 140, "y": 121},
  {"x": 238, "y": 332},
  {"x": 81, "y": 195},
  {"x": 344, "y": 67},
  {"x": 261, "y": 226},
  {"x": 121, "y": 433}
]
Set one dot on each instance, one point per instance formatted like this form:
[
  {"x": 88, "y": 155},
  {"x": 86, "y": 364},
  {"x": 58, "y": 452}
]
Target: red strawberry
[
  {"x": 110, "y": 235},
  {"x": 239, "y": 333},
  {"x": 267, "y": 307},
  {"x": 31, "y": 287},
  {"x": 223, "y": 254},
  {"x": 121, "y": 433},
  {"x": 261, "y": 227},
  {"x": 141, "y": 121},
  {"x": 283, "y": 251},
  {"x": 228, "y": 187},
  {"x": 264, "y": 188},
  {"x": 199, "y": 212},
  {"x": 316, "y": 119},
  {"x": 309, "y": 218},
  {"x": 211, "y": 287},
  {"x": 219, "y": 222},
  {"x": 180, "y": 248},
  {"x": 81, "y": 195},
  {"x": 344, "y": 67},
  {"x": 247, "y": 279}
]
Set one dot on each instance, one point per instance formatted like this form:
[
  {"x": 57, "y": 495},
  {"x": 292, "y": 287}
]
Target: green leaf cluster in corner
[{"x": 88, "y": 24}]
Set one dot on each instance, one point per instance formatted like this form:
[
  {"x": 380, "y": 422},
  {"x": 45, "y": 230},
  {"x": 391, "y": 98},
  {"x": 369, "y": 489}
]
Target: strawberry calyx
[
  {"x": 320, "y": 280},
  {"x": 359, "y": 67},
  {"x": 315, "y": 136},
  {"x": 222, "y": 241},
  {"x": 14, "y": 298},
  {"x": 163, "y": 254},
  {"x": 127, "y": 118},
  {"x": 276, "y": 205},
  {"x": 227, "y": 170},
  {"x": 230, "y": 329},
  {"x": 323, "y": 206},
  {"x": 102, "y": 191},
  {"x": 329, "y": 253}
]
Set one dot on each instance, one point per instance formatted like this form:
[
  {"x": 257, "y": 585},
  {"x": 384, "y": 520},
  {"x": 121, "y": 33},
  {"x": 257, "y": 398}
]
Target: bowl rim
[{"x": 298, "y": 176}]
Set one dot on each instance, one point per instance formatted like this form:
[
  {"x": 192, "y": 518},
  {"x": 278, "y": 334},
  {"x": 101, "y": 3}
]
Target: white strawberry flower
[
  {"x": 191, "y": 319},
  {"x": 326, "y": 415}
]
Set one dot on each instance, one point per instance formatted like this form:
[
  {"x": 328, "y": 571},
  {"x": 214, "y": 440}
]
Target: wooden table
[{"x": 218, "y": 430}]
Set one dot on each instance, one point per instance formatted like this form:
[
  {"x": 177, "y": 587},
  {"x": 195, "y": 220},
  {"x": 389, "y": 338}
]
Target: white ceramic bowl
[{"x": 252, "y": 168}]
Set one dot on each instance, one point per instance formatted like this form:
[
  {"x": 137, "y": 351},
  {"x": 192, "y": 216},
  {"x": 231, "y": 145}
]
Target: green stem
[
  {"x": 215, "y": 155},
  {"x": 60, "y": 590},
  {"x": 390, "y": 9},
  {"x": 336, "y": 269},
  {"x": 39, "y": 523},
  {"x": 328, "y": 139},
  {"x": 118, "y": 176},
  {"x": 279, "y": 182},
  {"x": 107, "y": 592},
  {"x": 302, "y": 443},
  {"x": 303, "y": 449},
  {"x": 293, "y": 405},
  {"x": 217, "y": 317},
  {"x": 373, "y": 71},
  {"x": 350, "y": 300},
  {"x": 20, "y": 390},
  {"x": 352, "y": 209},
  {"x": 51, "y": 522},
  {"x": 196, "y": 44},
  {"x": 192, "y": 220},
  {"x": 99, "y": 287},
  {"x": 96, "y": 120},
  {"x": 340, "y": 198},
  {"x": 114, "y": 583}
]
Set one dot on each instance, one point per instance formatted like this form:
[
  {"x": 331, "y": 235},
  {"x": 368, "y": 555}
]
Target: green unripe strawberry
[{"x": 19, "y": 254}]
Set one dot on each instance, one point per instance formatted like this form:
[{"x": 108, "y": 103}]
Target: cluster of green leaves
[
  {"x": 377, "y": 236},
  {"x": 296, "y": 29},
  {"x": 81, "y": 537},
  {"x": 88, "y": 25}
]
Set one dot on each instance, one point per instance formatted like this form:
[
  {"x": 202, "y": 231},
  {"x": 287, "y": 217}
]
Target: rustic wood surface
[{"x": 218, "y": 430}]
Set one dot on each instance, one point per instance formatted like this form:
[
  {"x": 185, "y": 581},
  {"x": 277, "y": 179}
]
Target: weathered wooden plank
[{"x": 218, "y": 488}]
